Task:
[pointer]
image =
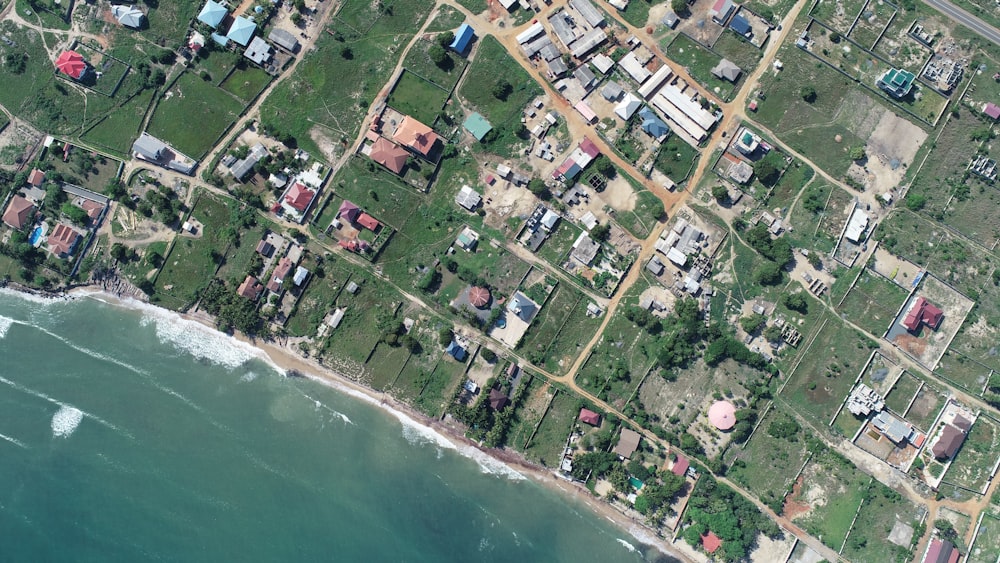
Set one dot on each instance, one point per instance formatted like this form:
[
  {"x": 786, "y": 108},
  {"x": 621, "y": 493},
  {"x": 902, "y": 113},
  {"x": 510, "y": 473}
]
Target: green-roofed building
[
  {"x": 478, "y": 126},
  {"x": 897, "y": 82}
]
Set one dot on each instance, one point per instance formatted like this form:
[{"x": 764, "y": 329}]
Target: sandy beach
[{"x": 287, "y": 359}]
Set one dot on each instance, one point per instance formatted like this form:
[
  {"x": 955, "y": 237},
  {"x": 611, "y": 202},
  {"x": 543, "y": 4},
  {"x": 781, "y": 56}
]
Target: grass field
[
  {"x": 699, "y": 62},
  {"x": 840, "y": 485},
  {"x": 170, "y": 20},
  {"x": 901, "y": 394},
  {"x": 873, "y": 302},
  {"x": 987, "y": 546},
  {"x": 320, "y": 296},
  {"x": 417, "y": 97},
  {"x": 962, "y": 371},
  {"x": 767, "y": 464},
  {"x": 556, "y": 248},
  {"x": 738, "y": 50},
  {"x": 869, "y": 538},
  {"x": 365, "y": 313},
  {"x": 94, "y": 177},
  {"x": 493, "y": 62},
  {"x": 537, "y": 342},
  {"x": 635, "y": 13},
  {"x": 971, "y": 467},
  {"x": 676, "y": 159},
  {"x": 447, "y": 19},
  {"x": 313, "y": 104},
  {"x": 548, "y": 442},
  {"x": 119, "y": 129},
  {"x": 246, "y": 82},
  {"x": 644, "y": 216},
  {"x": 419, "y": 62},
  {"x": 193, "y": 114}
]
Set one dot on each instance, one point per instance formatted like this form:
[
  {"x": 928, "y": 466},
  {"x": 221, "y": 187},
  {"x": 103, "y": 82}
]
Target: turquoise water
[
  {"x": 36, "y": 235},
  {"x": 136, "y": 436}
]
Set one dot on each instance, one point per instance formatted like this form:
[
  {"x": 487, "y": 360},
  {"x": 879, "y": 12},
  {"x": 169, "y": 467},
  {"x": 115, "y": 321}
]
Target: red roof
[
  {"x": 36, "y": 177},
  {"x": 923, "y": 312},
  {"x": 63, "y": 239},
  {"x": 92, "y": 208},
  {"x": 278, "y": 277},
  {"x": 250, "y": 288},
  {"x": 71, "y": 64},
  {"x": 299, "y": 197},
  {"x": 389, "y": 154},
  {"x": 948, "y": 443},
  {"x": 711, "y": 542},
  {"x": 348, "y": 210},
  {"x": 590, "y": 417},
  {"x": 479, "y": 296},
  {"x": 415, "y": 135},
  {"x": 992, "y": 110},
  {"x": 588, "y": 147},
  {"x": 368, "y": 222},
  {"x": 680, "y": 466},
  {"x": 19, "y": 212},
  {"x": 354, "y": 245},
  {"x": 940, "y": 552}
]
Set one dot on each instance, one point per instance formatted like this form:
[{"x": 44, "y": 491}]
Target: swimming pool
[{"x": 36, "y": 235}]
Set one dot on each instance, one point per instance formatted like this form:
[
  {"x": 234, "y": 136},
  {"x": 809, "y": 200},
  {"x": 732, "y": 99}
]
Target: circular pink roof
[
  {"x": 479, "y": 296},
  {"x": 722, "y": 414}
]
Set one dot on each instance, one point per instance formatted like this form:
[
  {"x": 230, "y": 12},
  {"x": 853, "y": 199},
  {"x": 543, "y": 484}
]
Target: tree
[
  {"x": 720, "y": 193},
  {"x": 73, "y": 213},
  {"x": 119, "y": 252},
  {"x": 915, "y": 202},
  {"x": 346, "y": 52},
  {"x": 796, "y": 302},
  {"x": 808, "y": 93},
  {"x": 857, "y": 153},
  {"x": 16, "y": 62},
  {"x": 679, "y": 6},
  {"x": 604, "y": 165},
  {"x": 768, "y": 168},
  {"x": 752, "y": 323},
  {"x": 538, "y": 187},
  {"x": 601, "y": 232},
  {"x": 438, "y": 55},
  {"x": 502, "y": 89},
  {"x": 772, "y": 333},
  {"x": 834, "y": 37},
  {"x": 488, "y": 355},
  {"x": 445, "y": 39},
  {"x": 445, "y": 336},
  {"x": 768, "y": 273},
  {"x": 296, "y": 19}
]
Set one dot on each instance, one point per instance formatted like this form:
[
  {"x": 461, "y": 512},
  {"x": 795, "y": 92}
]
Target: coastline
[{"x": 285, "y": 359}]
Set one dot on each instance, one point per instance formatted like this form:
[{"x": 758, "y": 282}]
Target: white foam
[
  {"x": 32, "y": 297},
  {"x": 65, "y": 421},
  {"x": 248, "y": 376},
  {"x": 627, "y": 545},
  {"x": 198, "y": 340},
  {"x": 5, "y": 324},
  {"x": 646, "y": 537},
  {"x": 14, "y": 441},
  {"x": 62, "y": 405}
]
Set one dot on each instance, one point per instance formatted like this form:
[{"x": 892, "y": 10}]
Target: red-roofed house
[
  {"x": 389, "y": 154},
  {"x": 297, "y": 200},
  {"x": 19, "y": 212},
  {"x": 348, "y": 211},
  {"x": 72, "y": 64},
  {"x": 992, "y": 110},
  {"x": 280, "y": 272},
  {"x": 588, "y": 147},
  {"x": 923, "y": 312},
  {"x": 250, "y": 288},
  {"x": 941, "y": 551},
  {"x": 415, "y": 135},
  {"x": 62, "y": 240},
  {"x": 680, "y": 466},
  {"x": 590, "y": 417},
  {"x": 368, "y": 222},
  {"x": 92, "y": 208},
  {"x": 711, "y": 542},
  {"x": 36, "y": 178}
]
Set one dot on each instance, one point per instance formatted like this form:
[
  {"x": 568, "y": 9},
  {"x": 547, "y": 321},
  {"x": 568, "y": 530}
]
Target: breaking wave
[
  {"x": 198, "y": 340},
  {"x": 5, "y": 324},
  {"x": 65, "y": 421}
]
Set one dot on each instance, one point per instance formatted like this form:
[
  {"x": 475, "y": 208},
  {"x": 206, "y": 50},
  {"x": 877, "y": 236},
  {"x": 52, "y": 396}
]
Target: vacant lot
[
  {"x": 193, "y": 114},
  {"x": 117, "y": 130},
  {"x": 972, "y": 466},
  {"x": 246, "y": 82},
  {"x": 417, "y": 97},
  {"x": 771, "y": 459},
  {"x": 548, "y": 442},
  {"x": 699, "y": 61},
  {"x": 987, "y": 546},
  {"x": 898, "y": 398},
  {"x": 869, "y": 538},
  {"x": 873, "y": 302},
  {"x": 676, "y": 159},
  {"x": 832, "y": 490},
  {"x": 445, "y": 75}
]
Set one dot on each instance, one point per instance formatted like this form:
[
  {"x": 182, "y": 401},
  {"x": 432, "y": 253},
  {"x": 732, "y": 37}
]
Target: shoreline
[{"x": 284, "y": 358}]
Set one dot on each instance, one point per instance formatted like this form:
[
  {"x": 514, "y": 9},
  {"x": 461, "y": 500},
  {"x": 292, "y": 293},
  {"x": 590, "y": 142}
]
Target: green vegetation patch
[
  {"x": 899, "y": 397},
  {"x": 193, "y": 114},
  {"x": 246, "y": 82},
  {"x": 971, "y": 467},
  {"x": 117, "y": 130},
  {"x": 738, "y": 50},
  {"x": 563, "y": 306},
  {"x": 838, "y": 488},
  {"x": 987, "y": 546},
  {"x": 869, "y": 538},
  {"x": 549, "y": 440},
  {"x": 769, "y": 462},
  {"x": 419, "y": 98},
  {"x": 320, "y": 295},
  {"x": 418, "y": 61},
  {"x": 873, "y": 302},
  {"x": 699, "y": 62},
  {"x": 447, "y": 19},
  {"x": 644, "y": 215}
]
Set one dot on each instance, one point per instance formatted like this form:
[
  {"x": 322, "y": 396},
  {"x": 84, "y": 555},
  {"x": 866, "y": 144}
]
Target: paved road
[{"x": 965, "y": 18}]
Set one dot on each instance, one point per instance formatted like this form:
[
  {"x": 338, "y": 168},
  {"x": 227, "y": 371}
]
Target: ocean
[{"x": 131, "y": 434}]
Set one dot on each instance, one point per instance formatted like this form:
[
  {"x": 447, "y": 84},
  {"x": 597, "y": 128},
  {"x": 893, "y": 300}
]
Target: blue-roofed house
[
  {"x": 222, "y": 40},
  {"x": 212, "y": 14},
  {"x": 478, "y": 126},
  {"x": 242, "y": 30},
  {"x": 652, "y": 124},
  {"x": 463, "y": 36},
  {"x": 740, "y": 25},
  {"x": 456, "y": 351}
]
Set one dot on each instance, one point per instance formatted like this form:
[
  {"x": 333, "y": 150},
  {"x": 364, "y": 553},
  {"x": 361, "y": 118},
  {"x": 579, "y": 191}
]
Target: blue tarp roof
[
  {"x": 456, "y": 351},
  {"x": 462, "y": 38},
  {"x": 212, "y": 13},
  {"x": 242, "y": 30},
  {"x": 740, "y": 25}
]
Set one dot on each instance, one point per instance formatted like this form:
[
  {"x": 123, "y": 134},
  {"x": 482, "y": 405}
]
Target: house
[
  {"x": 680, "y": 465},
  {"x": 477, "y": 125},
  {"x": 72, "y": 64},
  {"x": 415, "y": 135},
  {"x": 549, "y": 220},
  {"x": 284, "y": 39},
  {"x": 297, "y": 199},
  {"x": 584, "y": 76},
  {"x": 631, "y": 65},
  {"x": 522, "y": 306},
  {"x": 148, "y": 147},
  {"x": 611, "y": 91},
  {"x": 244, "y": 166},
  {"x": 389, "y": 154},
  {"x": 627, "y": 443},
  {"x": 468, "y": 198},
  {"x": 92, "y": 208},
  {"x": 992, "y": 110},
  {"x": 265, "y": 248},
  {"x": 212, "y": 14},
  {"x": 467, "y": 239},
  {"x": 250, "y": 289},
  {"x": 19, "y": 212},
  {"x": 63, "y": 240},
  {"x": 590, "y": 417},
  {"x": 456, "y": 351},
  {"x": 368, "y": 222},
  {"x": 893, "y": 428},
  {"x": 652, "y": 125},
  {"x": 948, "y": 443},
  {"x": 278, "y": 276},
  {"x": 36, "y": 178},
  {"x": 348, "y": 211},
  {"x": 129, "y": 16},
  {"x": 259, "y": 51},
  {"x": 741, "y": 26},
  {"x": 463, "y": 36},
  {"x": 856, "y": 226},
  {"x": 922, "y": 312},
  {"x": 585, "y": 249},
  {"x": 710, "y": 542},
  {"x": 498, "y": 399},
  {"x": 628, "y": 106},
  {"x": 896, "y": 82},
  {"x": 603, "y": 63},
  {"x": 586, "y": 111},
  {"x": 726, "y": 70},
  {"x": 590, "y": 13},
  {"x": 354, "y": 244},
  {"x": 721, "y": 11},
  {"x": 654, "y": 266},
  {"x": 941, "y": 551},
  {"x": 300, "y": 276},
  {"x": 242, "y": 30},
  {"x": 670, "y": 20},
  {"x": 589, "y": 220}
]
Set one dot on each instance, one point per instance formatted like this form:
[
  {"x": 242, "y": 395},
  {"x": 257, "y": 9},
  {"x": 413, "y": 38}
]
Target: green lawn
[
  {"x": 767, "y": 464},
  {"x": 447, "y": 19},
  {"x": 246, "y": 82},
  {"x": 169, "y": 21},
  {"x": 418, "y": 98},
  {"x": 901, "y": 394},
  {"x": 556, "y": 248},
  {"x": 329, "y": 93},
  {"x": 842, "y": 487},
  {"x": 320, "y": 295},
  {"x": 92, "y": 173},
  {"x": 548, "y": 442},
  {"x": 699, "y": 62},
  {"x": 873, "y": 303},
  {"x": 193, "y": 114},
  {"x": 636, "y": 13},
  {"x": 987, "y": 546},
  {"x": 869, "y": 539},
  {"x": 419, "y": 62},
  {"x": 117, "y": 130},
  {"x": 738, "y": 50},
  {"x": 676, "y": 159}
]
